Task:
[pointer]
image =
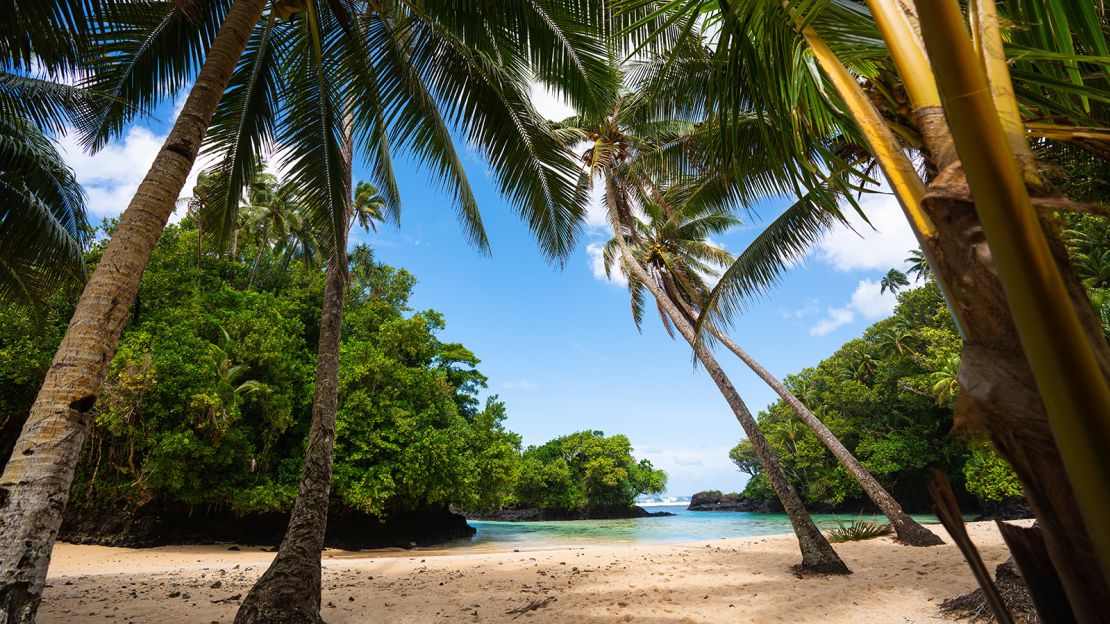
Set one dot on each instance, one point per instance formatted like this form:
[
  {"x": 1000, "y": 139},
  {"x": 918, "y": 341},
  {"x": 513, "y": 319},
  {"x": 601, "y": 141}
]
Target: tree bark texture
[
  {"x": 908, "y": 530},
  {"x": 35, "y": 483},
  {"x": 998, "y": 393},
  {"x": 818, "y": 555},
  {"x": 289, "y": 592}
]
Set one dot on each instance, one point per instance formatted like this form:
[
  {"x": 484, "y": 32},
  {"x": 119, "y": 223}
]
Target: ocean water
[{"x": 683, "y": 526}]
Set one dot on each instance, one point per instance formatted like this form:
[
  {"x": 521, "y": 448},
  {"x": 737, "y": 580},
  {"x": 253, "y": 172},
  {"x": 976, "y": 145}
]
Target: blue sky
[{"x": 559, "y": 346}]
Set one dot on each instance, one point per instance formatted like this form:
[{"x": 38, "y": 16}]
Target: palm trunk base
[
  {"x": 18, "y": 603},
  {"x": 913, "y": 534},
  {"x": 281, "y": 595}
]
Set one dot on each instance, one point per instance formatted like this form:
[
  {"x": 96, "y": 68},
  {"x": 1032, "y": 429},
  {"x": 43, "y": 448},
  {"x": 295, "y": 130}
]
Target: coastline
[{"x": 745, "y": 578}]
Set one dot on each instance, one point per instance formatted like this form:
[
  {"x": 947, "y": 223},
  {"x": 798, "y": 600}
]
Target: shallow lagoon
[{"x": 683, "y": 526}]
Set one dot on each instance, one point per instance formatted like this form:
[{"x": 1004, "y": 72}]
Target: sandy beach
[{"x": 740, "y": 579}]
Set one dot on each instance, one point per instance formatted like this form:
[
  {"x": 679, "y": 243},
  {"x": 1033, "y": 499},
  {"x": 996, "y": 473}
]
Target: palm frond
[
  {"x": 145, "y": 51},
  {"x": 242, "y": 128}
]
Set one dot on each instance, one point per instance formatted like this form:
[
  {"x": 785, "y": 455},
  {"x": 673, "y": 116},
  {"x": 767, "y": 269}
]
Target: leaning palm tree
[
  {"x": 672, "y": 244},
  {"x": 412, "y": 69},
  {"x": 618, "y": 156},
  {"x": 1031, "y": 362}
]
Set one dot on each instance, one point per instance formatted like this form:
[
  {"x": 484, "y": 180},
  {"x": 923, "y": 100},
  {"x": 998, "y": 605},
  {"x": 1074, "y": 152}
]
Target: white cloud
[
  {"x": 837, "y": 317},
  {"x": 550, "y": 105},
  {"x": 520, "y": 384},
  {"x": 688, "y": 468},
  {"x": 111, "y": 176},
  {"x": 882, "y": 245},
  {"x": 867, "y": 301},
  {"x": 596, "y": 253}
]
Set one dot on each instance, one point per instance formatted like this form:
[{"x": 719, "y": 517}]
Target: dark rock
[
  {"x": 714, "y": 500},
  {"x": 532, "y": 514},
  {"x": 1011, "y": 508},
  {"x": 158, "y": 524}
]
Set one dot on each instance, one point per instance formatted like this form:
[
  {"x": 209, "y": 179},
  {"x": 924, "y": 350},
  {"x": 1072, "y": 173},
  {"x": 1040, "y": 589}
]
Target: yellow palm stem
[
  {"x": 907, "y": 52},
  {"x": 899, "y": 171},
  {"x": 987, "y": 38},
  {"x": 1069, "y": 379}
]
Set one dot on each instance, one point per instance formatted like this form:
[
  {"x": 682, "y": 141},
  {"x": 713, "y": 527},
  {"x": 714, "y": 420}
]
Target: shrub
[{"x": 858, "y": 530}]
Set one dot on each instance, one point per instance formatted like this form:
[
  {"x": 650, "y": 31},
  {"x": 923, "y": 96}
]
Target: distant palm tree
[
  {"x": 894, "y": 280},
  {"x": 945, "y": 382},
  {"x": 369, "y": 206},
  {"x": 919, "y": 265}
]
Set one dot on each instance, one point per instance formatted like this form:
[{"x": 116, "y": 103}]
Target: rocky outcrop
[
  {"x": 159, "y": 524},
  {"x": 714, "y": 500},
  {"x": 532, "y": 514}
]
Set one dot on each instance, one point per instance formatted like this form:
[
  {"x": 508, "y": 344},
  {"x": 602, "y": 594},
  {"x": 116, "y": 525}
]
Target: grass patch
[{"x": 858, "y": 530}]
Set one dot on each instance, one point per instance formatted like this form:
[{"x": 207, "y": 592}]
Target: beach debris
[
  {"x": 231, "y": 598},
  {"x": 532, "y": 605}
]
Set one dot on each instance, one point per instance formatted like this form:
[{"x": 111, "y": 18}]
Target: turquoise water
[{"x": 684, "y": 526}]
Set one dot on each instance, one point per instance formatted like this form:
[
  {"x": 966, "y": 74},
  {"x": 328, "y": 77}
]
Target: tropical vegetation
[{"x": 989, "y": 124}]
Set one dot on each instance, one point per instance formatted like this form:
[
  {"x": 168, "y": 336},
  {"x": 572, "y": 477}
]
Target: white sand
[{"x": 734, "y": 580}]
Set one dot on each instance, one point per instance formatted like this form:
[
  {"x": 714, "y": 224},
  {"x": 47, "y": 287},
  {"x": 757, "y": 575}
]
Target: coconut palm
[
  {"x": 944, "y": 383},
  {"x": 672, "y": 244},
  {"x": 919, "y": 265},
  {"x": 413, "y": 69},
  {"x": 1014, "y": 345},
  {"x": 618, "y": 154},
  {"x": 894, "y": 280}
]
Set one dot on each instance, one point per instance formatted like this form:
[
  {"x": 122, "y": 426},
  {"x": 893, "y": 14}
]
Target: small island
[
  {"x": 714, "y": 500},
  {"x": 581, "y": 476}
]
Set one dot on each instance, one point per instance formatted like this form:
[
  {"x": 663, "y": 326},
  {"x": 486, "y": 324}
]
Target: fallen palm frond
[
  {"x": 858, "y": 530},
  {"x": 973, "y": 606},
  {"x": 538, "y": 603}
]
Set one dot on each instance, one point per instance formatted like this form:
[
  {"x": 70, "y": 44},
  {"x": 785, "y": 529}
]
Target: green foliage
[
  {"x": 989, "y": 476},
  {"x": 888, "y": 397},
  {"x": 858, "y": 530},
  {"x": 584, "y": 469},
  {"x": 208, "y": 399}
]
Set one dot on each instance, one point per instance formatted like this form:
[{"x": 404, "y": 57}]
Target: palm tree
[
  {"x": 1061, "y": 473},
  {"x": 618, "y": 157},
  {"x": 369, "y": 206},
  {"x": 36, "y": 480},
  {"x": 405, "y": 65},
  {"x": 919, "y": 265},
  {"x": 672, "y": 244},
  {"x": 894, "y": 280},
  {"x": 944, "y": 383}
]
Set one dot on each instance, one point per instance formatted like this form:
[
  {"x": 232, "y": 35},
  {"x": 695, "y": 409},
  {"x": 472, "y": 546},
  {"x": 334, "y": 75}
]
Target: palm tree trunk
[
  {"x": 906, "y": 528},
  {"x": 254, "y": 267},
  {"x": 36, "y": 481},
  {"x": 818, "y": 555},
  {"x": 998, "y": 392},
  {"x": 289, "y": 591}
]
